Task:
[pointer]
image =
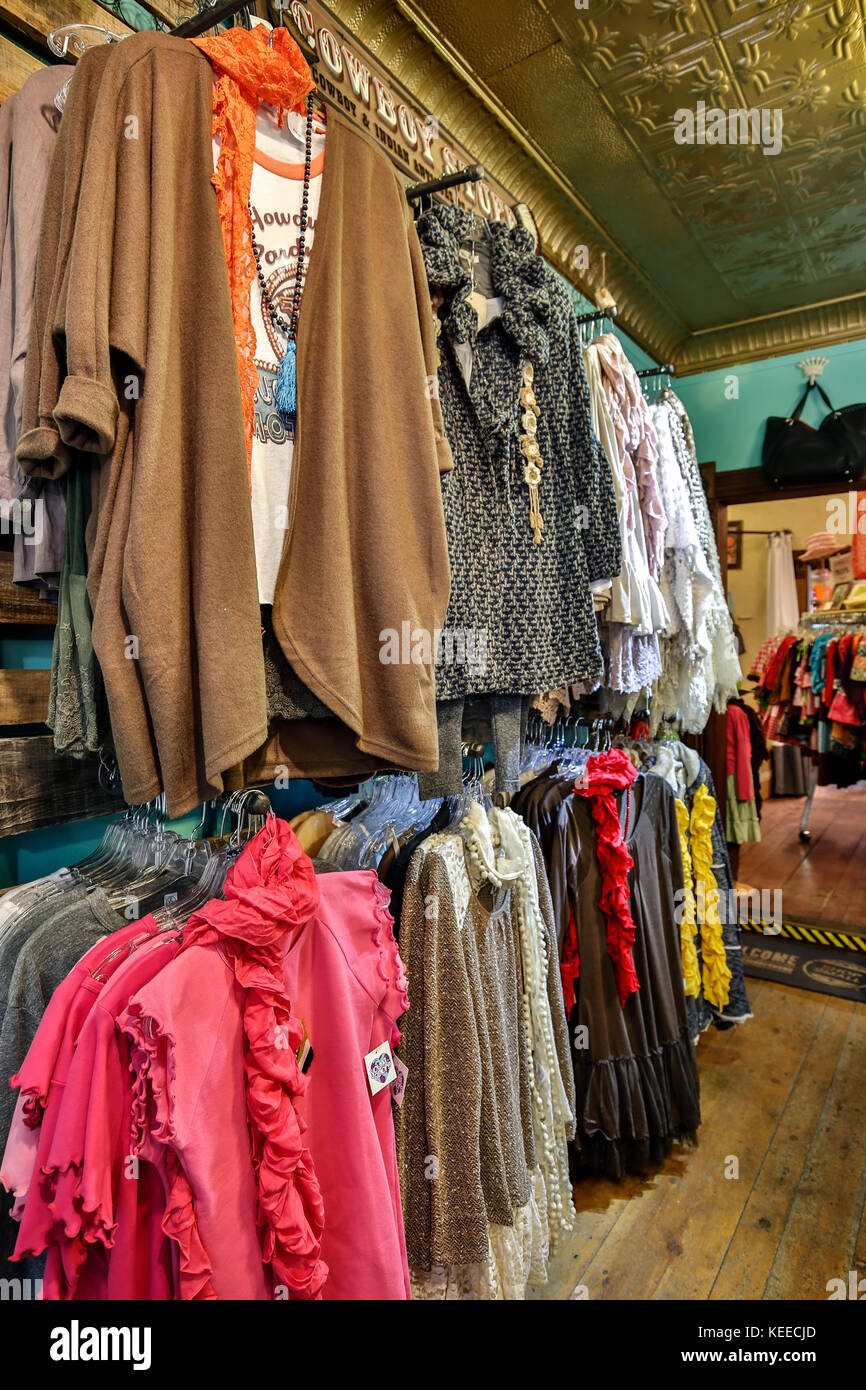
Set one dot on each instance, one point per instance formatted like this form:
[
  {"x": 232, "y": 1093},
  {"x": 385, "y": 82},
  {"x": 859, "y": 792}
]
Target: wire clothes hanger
[
  {"x": 654, "y": 387},
  {"x": 590, "y": 325}
]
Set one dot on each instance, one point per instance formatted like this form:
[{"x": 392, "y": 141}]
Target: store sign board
[{"x": 347, "y": 73}]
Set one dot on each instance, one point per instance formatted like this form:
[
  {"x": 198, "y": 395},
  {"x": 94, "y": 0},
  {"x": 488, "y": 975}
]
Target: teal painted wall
[
  {"x": 730, "y": 432},
  {"x": 26, "y": 653},
  {"x": 37, "y": 852}
]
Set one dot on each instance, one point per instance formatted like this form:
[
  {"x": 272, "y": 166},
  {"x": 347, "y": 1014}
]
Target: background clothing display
[{"x": 741, "y": 801}]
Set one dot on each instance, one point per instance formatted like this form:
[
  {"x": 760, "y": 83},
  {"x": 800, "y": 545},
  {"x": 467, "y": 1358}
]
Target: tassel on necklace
[{"x": 287, "y": 380}]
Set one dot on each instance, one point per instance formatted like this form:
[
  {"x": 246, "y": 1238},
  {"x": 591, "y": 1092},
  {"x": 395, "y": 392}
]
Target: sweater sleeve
[
  {"x": 188, "y": 579},
  {"x": 443, "y": 1197},
  {"x": 36, "y": 123},
  {"x": 554, "y": 982},
  {"x": 428, "y": 341},
  {"x": 42, "y": 452},
  {"x": 107, "y": 275}
]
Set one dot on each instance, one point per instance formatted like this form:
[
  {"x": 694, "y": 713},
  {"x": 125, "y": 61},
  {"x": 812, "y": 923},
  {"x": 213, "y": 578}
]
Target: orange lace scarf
[{"x": 251, "y": 66}]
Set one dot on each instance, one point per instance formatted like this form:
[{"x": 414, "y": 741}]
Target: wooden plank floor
[
  {"x": 823, "y": 881},
  {"x": 784, "y": 1097}
]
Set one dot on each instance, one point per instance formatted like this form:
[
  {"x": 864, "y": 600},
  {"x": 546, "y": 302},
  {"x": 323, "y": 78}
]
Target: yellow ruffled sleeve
[
  {"x": 688, "y": 924},
  {"x": 716, "y": 971}
]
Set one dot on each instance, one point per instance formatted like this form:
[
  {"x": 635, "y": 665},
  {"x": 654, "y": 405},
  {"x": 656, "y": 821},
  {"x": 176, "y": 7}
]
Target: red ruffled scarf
[
  {"x": 606, "y": 773},
  {"x": 270, "y": 894}
]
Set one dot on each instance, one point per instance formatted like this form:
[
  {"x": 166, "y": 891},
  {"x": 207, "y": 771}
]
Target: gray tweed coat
[{"x": 528, "y": 604}]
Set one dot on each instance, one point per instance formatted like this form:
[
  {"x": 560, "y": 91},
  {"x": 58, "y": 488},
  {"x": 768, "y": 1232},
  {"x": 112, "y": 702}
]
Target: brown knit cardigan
[
  {"x": 366, "y": 548},
  {"x": 132, "y": 359}
]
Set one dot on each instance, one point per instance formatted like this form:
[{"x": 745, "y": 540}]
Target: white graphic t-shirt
[{"x": 275, "y": 197}]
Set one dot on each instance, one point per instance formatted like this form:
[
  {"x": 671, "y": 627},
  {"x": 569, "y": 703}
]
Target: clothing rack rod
[
  {"x": 779, "y": 531},
  {"x": 597, "y": 315},
  {"x": 839, "y": 617},
  {"x": 207, "y": 19},
  {"x": 667, "y": 369},
  {"x": 471, "y": 174}
]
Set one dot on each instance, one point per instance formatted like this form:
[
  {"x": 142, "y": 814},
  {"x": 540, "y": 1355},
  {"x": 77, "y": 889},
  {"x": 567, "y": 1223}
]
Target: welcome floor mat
[{"x": 820, "y": 969}]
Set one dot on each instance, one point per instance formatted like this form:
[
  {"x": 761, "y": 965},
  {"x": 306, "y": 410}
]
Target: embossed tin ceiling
[{"x": 714, "y": 253}]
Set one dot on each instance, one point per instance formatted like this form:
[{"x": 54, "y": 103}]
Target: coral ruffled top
[{"x": 281, "y": 1184}]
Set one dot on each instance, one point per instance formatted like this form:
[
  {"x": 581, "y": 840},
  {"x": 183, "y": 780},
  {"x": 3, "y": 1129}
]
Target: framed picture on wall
[
  {"x": 735, "y": 545},
  {"x": 837, "y": 597}
]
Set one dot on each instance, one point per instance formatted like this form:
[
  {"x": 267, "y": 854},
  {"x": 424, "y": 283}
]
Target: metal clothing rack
[
  {"x": 471, "y": 174},
  {"x": 207, "y": 19},
  {"x": 666, "y": 369},
  {"x": 597, "y": 315},
  {"x": 835, "y": 617}
]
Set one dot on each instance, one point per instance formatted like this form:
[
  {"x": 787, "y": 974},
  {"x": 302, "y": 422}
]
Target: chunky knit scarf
[{"x": 521, "y": 277}]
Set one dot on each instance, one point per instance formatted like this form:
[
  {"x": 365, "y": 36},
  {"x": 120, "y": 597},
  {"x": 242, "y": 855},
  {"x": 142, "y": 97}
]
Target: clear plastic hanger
[
  {"x": 211, "y": 883},
  {"x": 571, "y": 755},
  {"x": 411, "y": 818},
  {"x": 80, "y": 37},
  {"x": 393, "y": 808},
  {"x": 473, "y": 789},
  {"x": 540, "y": 743},
  {"x": 172, "y": 917},
  {"x": 77, "y": 38}
]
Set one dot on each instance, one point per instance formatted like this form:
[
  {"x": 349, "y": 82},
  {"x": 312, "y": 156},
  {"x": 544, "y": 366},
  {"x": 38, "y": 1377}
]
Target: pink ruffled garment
[
  {"x": 218, "y": 1084},
  {"x": 345, "y": 978},
  {"x": 623, "y": 389},
  {"x": 84, "y": 1185},
  {"x": 605, "y": 774},
  {"x": 43, "y": 1072}
]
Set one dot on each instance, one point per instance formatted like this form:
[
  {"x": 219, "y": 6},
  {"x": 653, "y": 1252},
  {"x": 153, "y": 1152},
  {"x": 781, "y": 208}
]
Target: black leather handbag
[{"x": 794, "y": 454}]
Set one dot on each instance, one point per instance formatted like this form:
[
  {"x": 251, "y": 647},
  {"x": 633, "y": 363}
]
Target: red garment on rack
[
  {"x": 739, "y": 752},
  {"x": 605, "y": 774},
  {"x": 569, "y": 964}
]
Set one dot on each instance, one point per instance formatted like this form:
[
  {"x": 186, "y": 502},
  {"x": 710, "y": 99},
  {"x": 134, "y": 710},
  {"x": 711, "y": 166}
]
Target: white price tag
[{"x": 380, "y": 1067}]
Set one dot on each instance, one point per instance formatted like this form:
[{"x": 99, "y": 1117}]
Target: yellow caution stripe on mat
[{"x": 818, "y": 936}]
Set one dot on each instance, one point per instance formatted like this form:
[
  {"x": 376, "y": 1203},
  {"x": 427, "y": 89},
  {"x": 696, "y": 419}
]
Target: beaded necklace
[{"x": 287, "y": 377}]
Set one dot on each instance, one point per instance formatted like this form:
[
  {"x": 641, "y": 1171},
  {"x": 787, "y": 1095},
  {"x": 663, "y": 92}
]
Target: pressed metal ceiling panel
[
  {"x": 714, "y": 252},
  {"x": 520, "y": 30}
]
